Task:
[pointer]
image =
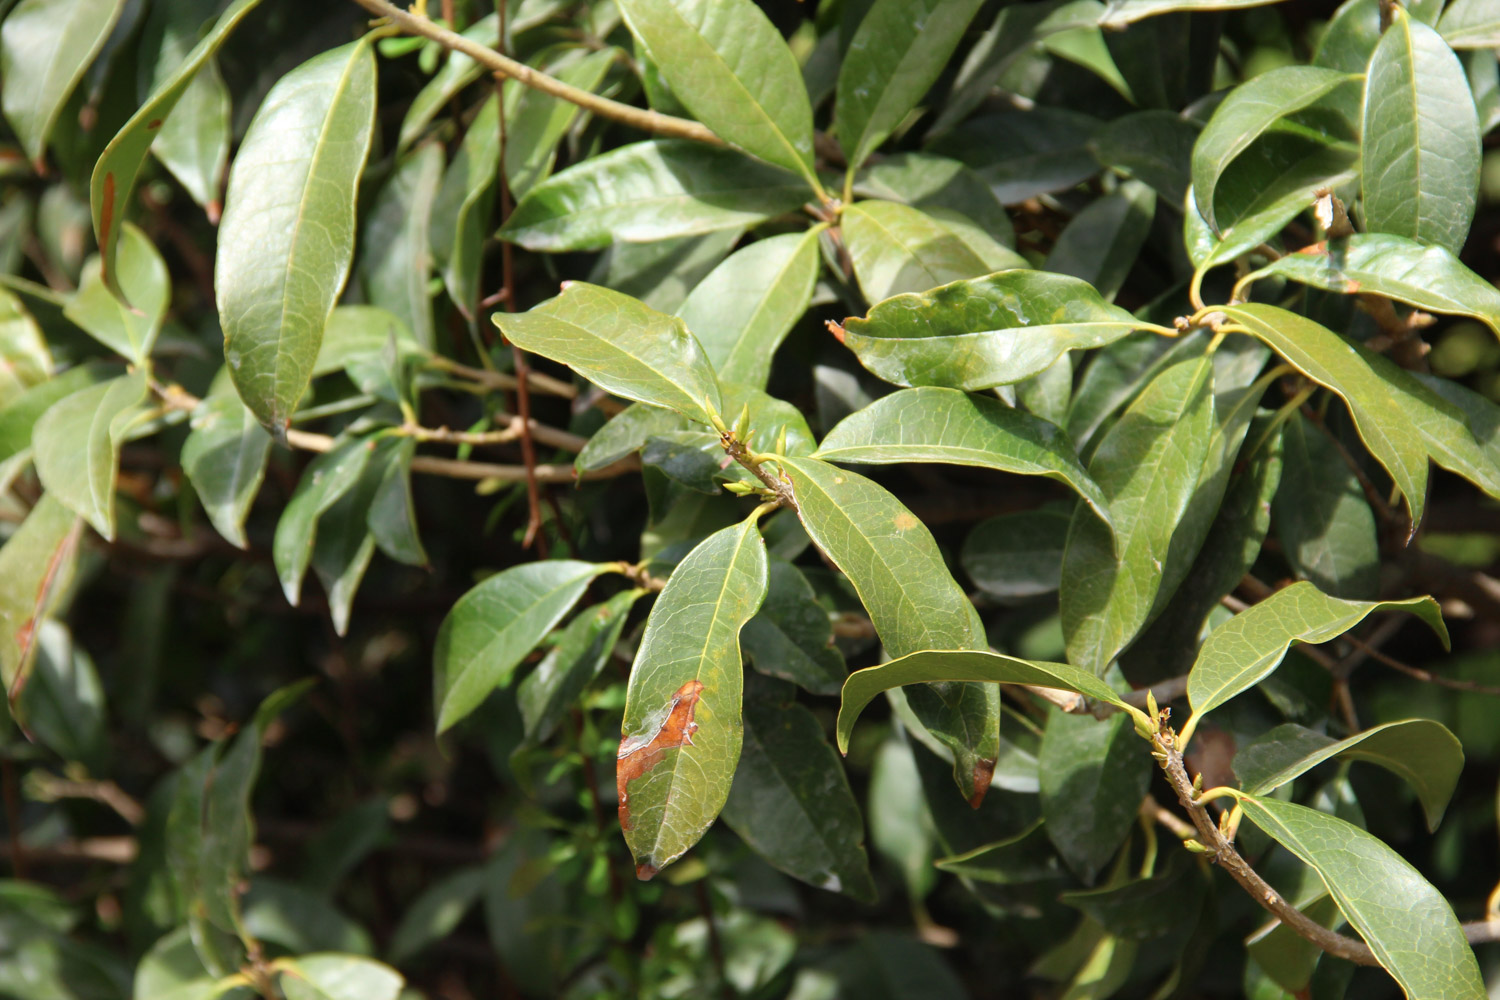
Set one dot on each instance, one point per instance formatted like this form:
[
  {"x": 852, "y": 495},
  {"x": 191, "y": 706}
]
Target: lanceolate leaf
[
  {"x": 395, "y": 261},
  {"x": 1148, "y": 466},
  {"x": 141, "y": 276},
  {"x": 1421, "y": 138},
  {"x": 1244, "y": 650},
  {"x": 1246, "y": 113},
  {"x": 288, "y": 230},
  {"x": 193, "y": 144},
  {"x": 494, "y": 626},
  {"x": 582, "y": 650},
  {"x": 1470, "y": 24},
  {"x": 224, "y": 457},
  {"x": 1406, "y": 922},
  {"x": 326, "y": 478},
  {"x": 1421, "y": 751},
  {"x": 1327, "y": 359},
  {"x": 1093, "y": 776},
  {"x": 727, "y": 63},
  {"x": 978, "y": 334},
  {"x": 36, "y": 567},
  {"x": 45, "y": 47},
  {"x": 746, "y": 306},
  {"x": 1152, "y": 146},
  {"x": 456, "y": 74},
  {"x": 461, "y": 210},
  {"x": 1323, "y": 519},
  {"x": 625, "y": 433},
  {"x": 537, "y": 122},
  {"x": 945, "y": 425},
  {"x": 620, "y": 345},
  {"x": 896, "y": 54},
  {"x": 1428, "y": 277},
  {"x": 1119, "y": 13},
  {"x": 896, "y": 248},
  {"x": 1101, "y": 243},
  {"x": 680, "y": 738},
  {"x": 77, "y": 446},
  {"x": 647, "y": 191},
  {"x": 119, "y": 166},
  {"x": 941, "y": 666},
  {"x": 791, "y": 637}
]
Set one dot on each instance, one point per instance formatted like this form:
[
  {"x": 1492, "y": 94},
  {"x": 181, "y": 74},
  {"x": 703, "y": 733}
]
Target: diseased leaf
[
  {"x": 1420, "y": 148},
  {"x": 45, "y": 47},
  {"x": 76, "y": 446},
  {"x": 792, "y": 804},
  {"x": 978, "y": 334},
  {"x": 896, "y": 248},
  {"x": 492, "y": 628},
  {"x": 1244, "y": 650},
  {"x": 225, "y": 457},
  {"x": 395, "y": 260},
  {"x": 945, "y": 425},
  {"x": 141, "y": 276},
  {"x": 36, "y": 568},
  {"x": 895, "y": 55},
  {"x": 583, "y": 648},
  {"x": 288, "y": 230},
  {"x": 620, "y": 345},
  {"x": 1406, "y": 922},
  {"x": 326, "y": 479},
  {"x": 1420, "y": 751},
  {"x": 652, "y": 190},
  {"x": 680, "y": 737}
]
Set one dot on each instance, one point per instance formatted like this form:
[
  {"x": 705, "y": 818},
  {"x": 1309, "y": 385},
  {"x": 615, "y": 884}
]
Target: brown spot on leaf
[
  {"x": 645, "y": 871},
  {"x": 106, "y": 223},
  {"x": 153, "y": 125},
  {"x": 984, "y": 773},
  {"x": 837, "y": 329},
  {"x": 905, "y": 522},
  {"x": 1351, "y": 286},
  {"x": 1319, "y": 249},
  {"x": 639, "y": 754}
]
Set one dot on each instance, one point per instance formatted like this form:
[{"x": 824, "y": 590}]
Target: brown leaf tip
[{"x": 837, "y": 329}]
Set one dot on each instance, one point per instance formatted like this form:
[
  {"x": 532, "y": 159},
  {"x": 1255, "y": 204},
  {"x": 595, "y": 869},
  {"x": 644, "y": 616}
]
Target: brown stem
[{"x": 779, "y": 488}]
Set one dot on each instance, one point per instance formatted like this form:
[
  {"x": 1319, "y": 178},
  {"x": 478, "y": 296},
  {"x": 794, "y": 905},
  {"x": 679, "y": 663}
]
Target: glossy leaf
[
  {"x": 946, "y": 191},
  {"x": 434, "y": 914},
  {"x": 975, "y": 335},
  {"x": 895, "y": 55},
  {"x": 583, "y": 649},
  {"x": 455, "y": 74},
  {"x": 18, "y": 417},
  {"x": 141, "y": 275},
  {"x": 193, "y": 144},
  {"x": 620, "y": 345},
  {"x": 896, "y": 248},
  {"x": 625, "y": 434},
  {"x": 1101, "y": 242},
  {"x": 337, "y": 977},
  {"x": 1093, "y": 777},
  {"x": 326, "y": 478},
  {"x": 45, "y": 47},
  {"x": 36, "y": 568},
  {"x": 1406, "y": 922},
  {"x": 395, "y": 261},
  {"x": 462, "y": 206},
  {"x": 941, "y": 666},
  {"x": 288, "y": 230},
  {"x": 539, "y": 121},
  {"x": 25, "y": 360},
  {"x": 1245, "y": 114},
  {"x": 791, "y": 636},
  {"x": 495, "y": 625},
  {"x": 119, "y": 166},
  {"x": 727, "y": 63},
  {"x": 672, "y": 787},
  {"x": 63, "y": 702},
  {"x": 344, "y": 545},
  {"x": 1470, "y": 24},
  {"x": 1120, "y": 13},
  {"x": 392, "y": 518},
  {"x": 747, "y": 305},
  {"x": 945, "y": 425},
  {"x": 225, "y": 457},
  {"x": 1420, "y": 751},
  {"x": 76, "y": 446},
  {"x": 1428, "y": 277},
  {"x": 792, "y": 804},
  {"x": 1154, "y": 147},
  {"x": 1022, "y": 154},
  {"x": 1244, "y": 650},
  {"x": 1148, "y": 467},
  {"x": 1420, "y": 173},
  {"x": 652, "y": 190},
  {"x": 1016, "y": 556},
  {"x": 662, "y": 273},
  {"x": 1327, "y": 359}
]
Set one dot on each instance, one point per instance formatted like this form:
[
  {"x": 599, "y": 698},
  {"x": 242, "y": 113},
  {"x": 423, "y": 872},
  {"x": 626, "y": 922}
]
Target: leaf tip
[
  {"x": 837, "y": 329},
  {"x": 646, "y": 871}
]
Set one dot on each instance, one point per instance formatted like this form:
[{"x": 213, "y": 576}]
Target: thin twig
[
  {"x": 1420, "y": 674},
  {"x": 48, "y": 787}
]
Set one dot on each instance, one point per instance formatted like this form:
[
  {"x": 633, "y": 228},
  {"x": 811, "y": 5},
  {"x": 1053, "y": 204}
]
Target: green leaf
[
  {"x": 1421, "y": 751},
  {"x": 1406, "y": 922},
  {"x": 288, "y": 230},
  {"x": 225, "y": 457},
  {"x": 395, "y": 260},
  {"x": 1327, "y": 359},
  {"x": 1148, "y": 466},
  {"x": 1016, "y": 556},
  {"x": 1101, "y": 242},
  {"x": 792, "y": 804},
  {"x": 625, "y": 434},
  {"x": 945, "y": 190},
  {"x": 661, "y": 274},
  {"x": 193, "y": 144},
  {"x": 461, "y": 209},
  {"x": 435, "y": 913},
  {"x": 896, "y": 248},
  {"x": 456, "y": 74},
  {"x": 582, "y": 651},
  {"x": 63, "y": 702},
  {"x": 1148, "y": 907},
  {"x": 492, "y": 628},
  {"x": 975, "y": 335},
  {"x": 343, "y": 544},
  {"x": 1420, "y": 175},
  {"x": 1245, "y": 114},
  {"x": 747, "y": 305},
  {"x": 119, "y": 166},
  {"x": 25, "y": 360},
  {"x": 539, "y": 121},
  {"x": 326, "y": 478},
  {"x": 36, "y": 568},
  {"x": 392, "y": 517},
  {"x": 945, "y": 425},
  {"x": 1123, "y": 12},
  {"x": 889, "y": 556},
  {"x": 1428, "y": 277},
  {"x": 18, "y": 417},
  {"x": 1154, "y": 147},
  {"x": 1470, "y": 24},
  {"x": 901, "y": 830},
  {"x": 1326, "y": 527},
  {"x": 45, "y": 47},
  {"x": 728, "y": 64},
  {"x": 1093, "y": 777},
  {"x": 1244, "y": 650},
  {"x": 620, "y": 345},
  {"x": 680, "y": 737},
  {"x": 337, "y": 977},
  {"x": 294, "y": 916},
  {"x": 129, "y": 327},
  {"x": 1022, "y": 154},
  {"x": 77, "y": 446},
  {"x": 1026, "y": 857},
  {"x": 942, "y": 666},
  {"x": 791, "y": 636},
  {"x": 648, "y": 191},
  {"x": 896, "y": 54}
]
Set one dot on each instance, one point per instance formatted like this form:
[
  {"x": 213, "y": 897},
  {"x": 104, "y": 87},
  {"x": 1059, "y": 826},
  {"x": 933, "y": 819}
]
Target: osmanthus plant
[{"x": 1137, "y": 320}]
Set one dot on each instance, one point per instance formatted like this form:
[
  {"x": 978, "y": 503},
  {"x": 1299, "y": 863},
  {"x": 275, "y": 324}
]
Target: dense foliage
[{"x": 1081, "y": 416}]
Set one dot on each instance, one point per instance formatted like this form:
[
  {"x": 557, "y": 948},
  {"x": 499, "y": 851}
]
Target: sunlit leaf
[
  {"x": 896, "y": 248},
  {"x": 76, "y": 446},
  {"x": 45, "y": 47},
  {"x": 128, "y": 327},
  {"x": 225, "y": 457}
]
